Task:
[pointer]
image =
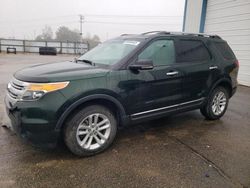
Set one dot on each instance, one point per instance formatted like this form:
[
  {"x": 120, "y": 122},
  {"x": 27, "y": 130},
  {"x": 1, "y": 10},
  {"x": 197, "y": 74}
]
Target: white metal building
[{"x": 230, "y": 19}]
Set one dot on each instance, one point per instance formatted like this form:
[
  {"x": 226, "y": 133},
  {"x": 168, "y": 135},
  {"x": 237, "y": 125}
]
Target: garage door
[{"x": 231, "y": 20}]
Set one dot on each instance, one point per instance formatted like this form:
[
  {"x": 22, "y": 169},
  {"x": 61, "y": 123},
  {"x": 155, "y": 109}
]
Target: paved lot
[{"x": 178, "y": 151}]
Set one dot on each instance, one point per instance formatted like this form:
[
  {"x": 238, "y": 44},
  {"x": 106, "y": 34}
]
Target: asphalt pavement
[{"x": 184, "y": 150}]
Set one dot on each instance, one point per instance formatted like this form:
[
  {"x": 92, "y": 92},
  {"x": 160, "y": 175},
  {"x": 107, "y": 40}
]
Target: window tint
[
  {"x": 191, "y": 51},
  {"x": 161, "y": 52},
  {"x": 225, "y": 50}
]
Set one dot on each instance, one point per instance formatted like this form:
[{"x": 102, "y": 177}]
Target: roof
[{"x": 152, "y": 34}]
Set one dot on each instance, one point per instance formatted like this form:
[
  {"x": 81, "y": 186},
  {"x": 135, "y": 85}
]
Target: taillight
[{"x": 237, "y": 63}]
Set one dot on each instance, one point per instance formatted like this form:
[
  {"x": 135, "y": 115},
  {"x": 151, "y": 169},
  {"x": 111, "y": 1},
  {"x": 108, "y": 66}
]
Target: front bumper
[{"x": 35, "y": 121}]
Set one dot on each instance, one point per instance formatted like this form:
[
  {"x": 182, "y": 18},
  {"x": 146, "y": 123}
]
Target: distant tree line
[{"x": 65, "y": 34}]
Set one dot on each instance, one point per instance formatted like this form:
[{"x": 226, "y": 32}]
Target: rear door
[{"x": 195, "y": 62}]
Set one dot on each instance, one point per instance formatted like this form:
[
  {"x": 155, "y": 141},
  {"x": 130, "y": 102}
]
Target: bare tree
[
  {"x": 47, "y": 34},
  {"x": 63, "y": 33},
  {"x": 93, "y": 41}
]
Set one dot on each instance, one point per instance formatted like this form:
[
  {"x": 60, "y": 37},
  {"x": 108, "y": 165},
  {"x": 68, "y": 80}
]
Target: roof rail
[
  {"x": 195, "y": 34},
  {"x": 155, "y": 32},
  {"x": 180, "y": 33},
  {"x": 125, "y": 34}
]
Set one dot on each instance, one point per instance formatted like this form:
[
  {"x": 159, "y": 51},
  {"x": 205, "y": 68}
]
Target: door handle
[
  {"x": 172, "y": 73},
  {"x": 213, "y": 67}
]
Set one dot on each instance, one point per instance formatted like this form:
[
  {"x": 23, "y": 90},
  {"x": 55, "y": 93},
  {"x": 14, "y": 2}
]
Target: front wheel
[
  {"x": 216, "y": 105},
  {"x": 90, "y": 131}
]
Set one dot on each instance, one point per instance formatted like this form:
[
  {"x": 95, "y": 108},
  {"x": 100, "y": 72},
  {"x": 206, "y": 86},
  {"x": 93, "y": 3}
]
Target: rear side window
[
  {"x": 224, "y": 50},
  {"x": 191, "y": 51}
]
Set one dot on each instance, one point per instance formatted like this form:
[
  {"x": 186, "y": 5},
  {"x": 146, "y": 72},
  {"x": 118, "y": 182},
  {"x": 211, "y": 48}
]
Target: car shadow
[{"x": 183, "y": 125}]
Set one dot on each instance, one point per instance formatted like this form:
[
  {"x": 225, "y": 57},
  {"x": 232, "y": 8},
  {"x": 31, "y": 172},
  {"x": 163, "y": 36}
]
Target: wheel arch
[
  {"x": 224, "y": 82},
  {"x": 102, "y": 99}
]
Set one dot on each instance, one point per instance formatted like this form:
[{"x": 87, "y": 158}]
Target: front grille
[
  {"x": 16, "y": 86},
  {"x": 13, "y": 95},
  {"x": 16, "y": 89}
]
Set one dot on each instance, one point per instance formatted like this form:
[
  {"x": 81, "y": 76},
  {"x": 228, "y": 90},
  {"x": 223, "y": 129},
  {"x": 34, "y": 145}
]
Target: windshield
[{"x": 111, "y": 52}]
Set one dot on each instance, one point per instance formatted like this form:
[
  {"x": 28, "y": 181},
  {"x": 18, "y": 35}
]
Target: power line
[
  {"x": 131, "y": 23},
  {"x": 132, "y": 16},
  {"x": 92, "y": 22},
  {"x": 37, "y": 19},
  {"x": 108, "y": 23},
  {"x": 92, "y": 15},
  {"x": 25, "y": 25}
]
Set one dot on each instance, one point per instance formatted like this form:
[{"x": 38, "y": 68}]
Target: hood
[{"x": 62, "y": 71}]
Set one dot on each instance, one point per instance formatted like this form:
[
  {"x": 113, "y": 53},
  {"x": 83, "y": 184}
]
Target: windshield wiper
[{"x": 85, "y": 61}]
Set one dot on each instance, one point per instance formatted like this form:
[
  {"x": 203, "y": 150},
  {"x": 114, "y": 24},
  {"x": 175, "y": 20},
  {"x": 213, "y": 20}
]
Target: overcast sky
[{"x": 24, "y": 19}]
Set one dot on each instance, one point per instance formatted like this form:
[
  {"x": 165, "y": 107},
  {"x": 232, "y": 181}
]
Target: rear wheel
[
  {"x": 216, "y": 105},
  {"x": 90, "y": 131}
]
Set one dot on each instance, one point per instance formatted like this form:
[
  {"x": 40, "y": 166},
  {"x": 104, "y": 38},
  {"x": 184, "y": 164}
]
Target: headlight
[{"x": 35, "y": 91}]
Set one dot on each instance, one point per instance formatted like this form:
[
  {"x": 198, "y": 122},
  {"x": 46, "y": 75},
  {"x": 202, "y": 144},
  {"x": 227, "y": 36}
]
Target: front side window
[
  {"x": 191, "y": 51},
  {"x": 161, "y": 52}
]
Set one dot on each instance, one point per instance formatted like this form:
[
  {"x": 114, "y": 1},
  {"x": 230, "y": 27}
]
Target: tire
[
  {"x": 84, "y": 140},
  {"x": 216, "y": 104}
]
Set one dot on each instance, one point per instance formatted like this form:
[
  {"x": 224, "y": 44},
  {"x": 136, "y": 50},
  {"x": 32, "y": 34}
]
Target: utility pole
[{"x": 81, "y": 22}]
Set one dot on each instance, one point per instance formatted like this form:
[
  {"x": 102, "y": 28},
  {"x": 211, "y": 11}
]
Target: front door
[{"x": 159, "y": 89}]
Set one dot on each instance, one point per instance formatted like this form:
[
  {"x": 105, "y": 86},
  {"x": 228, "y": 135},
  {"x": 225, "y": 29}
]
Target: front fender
[{"x": 67, "y": 110}]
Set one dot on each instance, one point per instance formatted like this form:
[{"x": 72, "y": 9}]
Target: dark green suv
[{"x": 128, "y": 79}]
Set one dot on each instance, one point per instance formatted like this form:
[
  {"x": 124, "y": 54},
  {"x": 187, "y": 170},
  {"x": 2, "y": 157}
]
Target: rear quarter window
[
  {"x": 192, "y": 51},
  {"x": 224, "y": 50}
]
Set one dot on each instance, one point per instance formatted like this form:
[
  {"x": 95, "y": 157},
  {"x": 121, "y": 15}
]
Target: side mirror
[{"x": 143, "y": 64}]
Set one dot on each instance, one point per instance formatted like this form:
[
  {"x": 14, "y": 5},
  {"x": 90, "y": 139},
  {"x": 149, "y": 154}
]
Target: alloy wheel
[
  {"x": 93, "y": 131},
  {"x": 219, "y": 103}
]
